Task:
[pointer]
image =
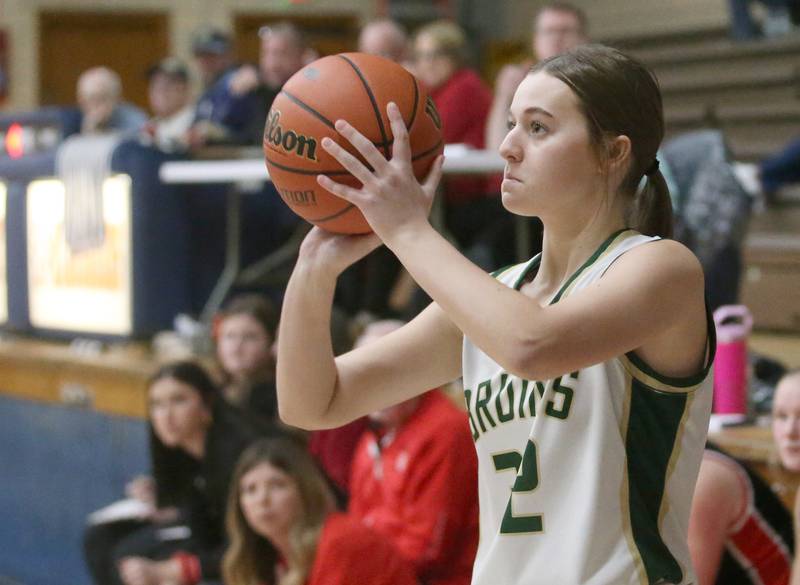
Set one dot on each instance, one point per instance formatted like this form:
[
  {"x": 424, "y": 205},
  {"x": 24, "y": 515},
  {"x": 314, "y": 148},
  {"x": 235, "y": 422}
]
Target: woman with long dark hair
[{"x": 195, "y": 439}]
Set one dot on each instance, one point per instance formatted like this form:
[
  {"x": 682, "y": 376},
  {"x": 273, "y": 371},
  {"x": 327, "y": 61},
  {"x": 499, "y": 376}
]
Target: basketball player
[{"x": 585, "y": 369}]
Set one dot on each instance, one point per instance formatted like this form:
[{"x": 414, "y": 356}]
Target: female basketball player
[{"x": 585, "y": 370}]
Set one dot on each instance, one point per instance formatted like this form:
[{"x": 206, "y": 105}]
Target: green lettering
[{"x": 484, "y": 393}]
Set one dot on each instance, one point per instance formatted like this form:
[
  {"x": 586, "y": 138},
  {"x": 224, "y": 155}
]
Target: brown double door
[{"x": 71, "y": 42}]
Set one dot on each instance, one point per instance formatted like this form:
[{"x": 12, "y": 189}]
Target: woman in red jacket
[{"x": 283, "y": 529}]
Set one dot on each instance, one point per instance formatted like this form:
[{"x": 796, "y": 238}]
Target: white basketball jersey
[{"x": 586, "y": 479}]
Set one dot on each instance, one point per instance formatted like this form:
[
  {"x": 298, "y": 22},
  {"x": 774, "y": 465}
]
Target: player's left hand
[{"x": 391, "y": 198}]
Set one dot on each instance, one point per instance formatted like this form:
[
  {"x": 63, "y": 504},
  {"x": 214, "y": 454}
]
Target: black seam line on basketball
[
  {"x": 306, "y": 171},
  {"x": 334, "y": 216},
  {"x": 375, "y": 107},
  {"x": 308, "y": 109},
  {"x": 434, "y": 148},
  {"x": 416, "y": 103},
  {"x": 382, "y": 144}
]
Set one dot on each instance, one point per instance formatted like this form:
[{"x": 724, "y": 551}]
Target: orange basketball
[{"x": 355, "y": 87}]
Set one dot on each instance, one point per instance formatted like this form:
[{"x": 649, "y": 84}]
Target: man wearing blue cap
[{"x": 220, "y": 115}]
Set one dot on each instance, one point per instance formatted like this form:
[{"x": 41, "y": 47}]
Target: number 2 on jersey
[{"x": 527, "y": 481}]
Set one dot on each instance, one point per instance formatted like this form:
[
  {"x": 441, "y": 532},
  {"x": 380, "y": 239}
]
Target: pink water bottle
[{"x": 733, "y": 324}]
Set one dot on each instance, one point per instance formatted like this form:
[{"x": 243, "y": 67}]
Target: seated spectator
[
  {"x": 284, "y": 51},
  {"x": 414, "y": 480},
  {"x": 777, "y": 21},
  {"x": 283, "y": 529},
  {"x": 779, "y": 170},
  {"x": 101, "y": 105},
  {"x": 740, "y": 533},
  {"x": 221, "y": 117},
  {"x": 463, "y": 100},
  {"x": 195, "y": 439},
  {"x": 386, "y": 38},
  {"x": 557, "y": 27},
  {"x": 786, "y": 432},
  {"x": 245, "y": 333},
  {"x": 171, "y": 103}
]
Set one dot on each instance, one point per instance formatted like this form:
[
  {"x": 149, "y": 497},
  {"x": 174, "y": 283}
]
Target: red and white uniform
[{"x": 419, "y": 488}]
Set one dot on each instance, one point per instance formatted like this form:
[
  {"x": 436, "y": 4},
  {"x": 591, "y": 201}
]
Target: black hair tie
[{"x": 652, "y": 169}]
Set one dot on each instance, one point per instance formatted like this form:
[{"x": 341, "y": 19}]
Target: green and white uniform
[{"x": 586, "y": 479}]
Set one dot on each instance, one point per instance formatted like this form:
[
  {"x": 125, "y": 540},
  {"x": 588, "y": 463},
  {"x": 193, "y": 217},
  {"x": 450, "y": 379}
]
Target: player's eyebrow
[
  {"x": 537, "y": 110},
  {"x": 530, "y": 111}
]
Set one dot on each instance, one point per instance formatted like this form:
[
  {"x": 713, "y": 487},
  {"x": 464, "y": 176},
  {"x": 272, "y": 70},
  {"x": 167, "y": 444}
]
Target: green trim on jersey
[
  {"x": 500, "y": 271},
  {"x": 536, "y": 261},
  {"x": 687, "y": 383},
  {"x": 654, "y": 424},
  {"x": 592, "y": 259}
]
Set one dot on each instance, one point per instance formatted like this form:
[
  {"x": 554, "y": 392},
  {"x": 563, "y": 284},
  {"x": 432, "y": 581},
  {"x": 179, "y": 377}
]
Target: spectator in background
[
  {"x": 284, "y": 51},
  {"x": 100, "y": 101},
  {"x": 245, "y": 333},
  {"x": 462, "y": 100},
  {"x": 171, "y": 103},
  {"x": 283, "y": 529},
  {"x": 386, "y": 38},
  {"x": 414, "y": 480},
  {"x": 786, "y": 432},
  {"x": 221, "y": 116},
  {"x": 740, "y": 533},
  {"x": 195, "y": 439},
  {"x": 557, "y": 27},
  {"x": 777, "y": 20},
  {"x": 778, "y": 171},
  {"x": 460, "y": 95}
]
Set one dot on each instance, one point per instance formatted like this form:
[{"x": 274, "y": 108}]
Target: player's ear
[{"x": 618, "y": 151}]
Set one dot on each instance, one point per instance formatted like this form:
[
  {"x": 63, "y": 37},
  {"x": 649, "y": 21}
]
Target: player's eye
[
  {"x": 510, "y": 124},
  {"x": 538, "y": 128}
]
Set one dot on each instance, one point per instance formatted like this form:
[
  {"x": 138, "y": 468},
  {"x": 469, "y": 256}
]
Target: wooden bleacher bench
[{"x": 772, "y": 269}]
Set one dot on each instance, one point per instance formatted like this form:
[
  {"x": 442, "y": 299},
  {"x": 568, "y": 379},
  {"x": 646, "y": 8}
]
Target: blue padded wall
[{"x": 58, "y": 465}]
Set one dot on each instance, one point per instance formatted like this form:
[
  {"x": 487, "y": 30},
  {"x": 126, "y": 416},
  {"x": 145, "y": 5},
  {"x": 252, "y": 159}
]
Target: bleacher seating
[{"x": 751, "y": 91}]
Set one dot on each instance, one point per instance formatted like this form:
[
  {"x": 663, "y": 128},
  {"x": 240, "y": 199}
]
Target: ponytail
[{"x": 652, "y": 207}]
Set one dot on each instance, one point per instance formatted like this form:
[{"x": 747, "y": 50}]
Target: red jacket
[
  {"x": 421, "y": 491},
  {"x": 333, "y": 449},
  {"x": 463, "y": 102},
  {"x": 348, "y": 553}
]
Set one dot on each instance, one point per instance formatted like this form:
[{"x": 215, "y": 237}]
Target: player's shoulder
[{"x": 660, "y": 259}]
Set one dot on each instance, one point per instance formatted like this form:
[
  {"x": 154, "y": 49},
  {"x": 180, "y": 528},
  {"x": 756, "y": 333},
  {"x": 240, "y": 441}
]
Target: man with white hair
[
  {"x": 100, "y": 100},
  {"x": 386, "y": 38}
]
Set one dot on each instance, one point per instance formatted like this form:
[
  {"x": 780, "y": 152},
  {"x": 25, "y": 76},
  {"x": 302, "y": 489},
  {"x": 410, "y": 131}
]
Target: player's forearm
[
  {"x": 499, "y": 320},
  {"x": 306, "y": 371}
]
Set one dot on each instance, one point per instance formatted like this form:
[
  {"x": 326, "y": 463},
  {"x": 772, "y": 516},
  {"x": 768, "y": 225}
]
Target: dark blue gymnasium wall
[{"x": 58, "y": 464}]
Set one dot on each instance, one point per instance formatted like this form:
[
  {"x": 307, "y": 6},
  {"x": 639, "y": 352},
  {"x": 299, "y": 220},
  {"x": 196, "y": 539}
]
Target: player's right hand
[{"x": 335, "y": 252}]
